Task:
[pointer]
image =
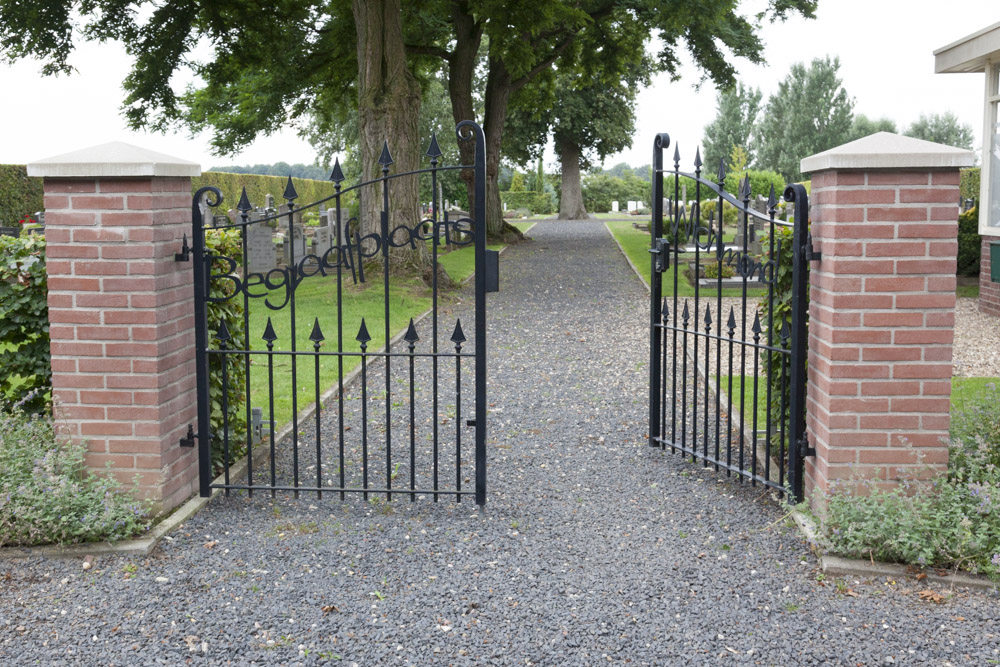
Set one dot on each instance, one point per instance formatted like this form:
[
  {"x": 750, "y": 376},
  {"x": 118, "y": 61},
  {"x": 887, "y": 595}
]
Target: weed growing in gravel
[
  {"x": 46, "y": 495},
  {"x": 950, "y": 521}
]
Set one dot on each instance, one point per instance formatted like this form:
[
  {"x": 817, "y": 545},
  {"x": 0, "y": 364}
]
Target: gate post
[
  {"x": 121, "y": 312},
  {"x": 882, "y": 309}
]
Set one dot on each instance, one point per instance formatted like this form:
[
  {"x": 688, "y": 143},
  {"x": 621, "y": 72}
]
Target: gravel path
[{"x": 592, "y": 548}]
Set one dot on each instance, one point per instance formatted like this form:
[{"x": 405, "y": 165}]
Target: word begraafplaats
[{"x": 349, "y": 255}]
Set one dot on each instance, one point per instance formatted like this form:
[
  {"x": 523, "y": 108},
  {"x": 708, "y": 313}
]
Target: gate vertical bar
[
  {"x": 467, "y": 130},
  {"x": 800, "y": 284},
  {"x": 213, "y": 198},
  {"x": 661, "y": 142}
]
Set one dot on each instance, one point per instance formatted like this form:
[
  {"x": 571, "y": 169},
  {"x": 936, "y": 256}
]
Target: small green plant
[
  {"x": 712, "y": 270},
  {"x": 950, "y": 521},
  {"x": 976, "y": 419},
  {"x": 24, "y": 322},
  {"x": 47, "y": 496}
]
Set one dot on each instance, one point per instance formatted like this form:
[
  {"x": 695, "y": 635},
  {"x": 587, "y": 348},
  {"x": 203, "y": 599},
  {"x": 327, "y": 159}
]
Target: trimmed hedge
[
  {"x": 20, "y": 195},
  {"x": 258, "y": 186},
  {"x": 969, "y": 184},
  {"x": 970, "y": 243},
  {"x": 536, "y": 202}
]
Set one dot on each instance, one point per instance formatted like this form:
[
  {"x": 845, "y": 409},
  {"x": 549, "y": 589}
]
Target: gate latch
[
  {"x": 662, "y": 252},
  {"x": 804, "y": 448},
  {"x": 470, "y": 422},
  {"x": 188, "y": 440}
]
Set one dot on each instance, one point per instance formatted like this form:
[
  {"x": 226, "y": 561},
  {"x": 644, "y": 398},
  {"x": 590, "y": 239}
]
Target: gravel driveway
[{"x": 592, "y": 549}]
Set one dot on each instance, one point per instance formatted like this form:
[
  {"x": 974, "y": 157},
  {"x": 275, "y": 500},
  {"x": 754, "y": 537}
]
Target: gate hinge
[
  {"x": 184, "y": 255},
  {"x": 810, "y": 254},
  {"x": 188, "y": 440},
  {"x": 804, "y": 448},
  {"x": 662, "y": 251}
]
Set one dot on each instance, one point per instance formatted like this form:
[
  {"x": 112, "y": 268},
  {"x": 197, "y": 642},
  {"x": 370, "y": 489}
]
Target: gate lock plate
[{"x": 662, "y": 252}]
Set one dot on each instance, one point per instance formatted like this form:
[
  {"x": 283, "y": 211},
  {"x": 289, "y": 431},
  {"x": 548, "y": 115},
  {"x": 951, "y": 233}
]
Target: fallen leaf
[
  {"x": 921, "y": 576},
  {"x": 942, "y": 572},
  {"x": 852, "y": 593},
  {"x": 210, "y": 545},
  {"x": 931, "y": 596},
  {"x": 330, "y": 607}
]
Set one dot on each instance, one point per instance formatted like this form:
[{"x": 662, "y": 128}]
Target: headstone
[
  {"x": 269, "y": 202},
  {"x": 40, "y": 217},
  {"x": 322, "y": 240},
  {"x": 614, "y": 206},
  {"x": 260, "y": 248},
  {"x": 298, "y": 244}
]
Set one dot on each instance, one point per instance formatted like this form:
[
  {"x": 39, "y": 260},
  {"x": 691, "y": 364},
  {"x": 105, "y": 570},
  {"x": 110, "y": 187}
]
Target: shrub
[
  {"x": 950, "y": 521},
  {"x": 24, "y": 322},
  {"x": 969, "y": 183},
  {"x": 258, "y": 186},
  {"x": 712, "y": 270},
  {"x": 970, "y": 243},
  {"x": 707, "y": 211},
  {"x": 20, "y": 194},
  {"x": 977, "y": 420},
  {"x": 47, "y": 497},
  {"x": 226, "y": 243},
  {"x": 535, "y": 202},
  {"x": 760, "y": 183}
]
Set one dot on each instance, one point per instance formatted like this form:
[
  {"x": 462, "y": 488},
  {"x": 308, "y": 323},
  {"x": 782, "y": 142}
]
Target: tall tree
[
  {"x": 863, "y": 126},
  {"x": 736, "y": 115},
  {"x": 811, "y": 112},
  {"x": 942, "y": 129}
]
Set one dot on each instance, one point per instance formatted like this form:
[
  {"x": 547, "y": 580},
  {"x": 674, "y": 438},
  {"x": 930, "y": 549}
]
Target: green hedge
[
  {"x": 970, "y": 243},
  {"x": 24, "y": 323},
  {"x": 258, "y": 186},
  {"x": 536, "y": 202},
  {"x": 20, "y": 195},
  {"x": 969, "y": 184}
]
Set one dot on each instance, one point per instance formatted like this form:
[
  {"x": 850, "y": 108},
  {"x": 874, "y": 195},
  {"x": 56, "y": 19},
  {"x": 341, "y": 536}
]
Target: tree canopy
[
  {"x": 942, "y": 129},
  {"x": 737, "y": 110},
  {"x": 810, "y": 113}
]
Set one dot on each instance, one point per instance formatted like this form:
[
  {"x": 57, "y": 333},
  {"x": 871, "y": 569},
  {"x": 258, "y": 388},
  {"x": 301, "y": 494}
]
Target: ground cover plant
[
  {"x": 951, "y": 521},
  {"x": 46, "y": 495},
  {"x": 24, "y": 322}
]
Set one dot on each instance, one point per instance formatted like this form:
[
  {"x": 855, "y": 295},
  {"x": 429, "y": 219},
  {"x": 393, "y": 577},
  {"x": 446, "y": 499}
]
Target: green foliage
[
  {"x": 708, "y": 212},
  {"x": 970, "y": 243},
  {"x": 810, "y": 113},
  {"x": 942, "y": 129},
  {"x": 20, "y": 194},
  {"x": 712, "y": 270},
  {"x": 863, "y": 126},
  {"x": 736, "y": 115},
  {"x": 46, "y": 496},
  {"x": 541, "y": 203},
  {"x": 760, "y": 183},
  {"x": 969, "y": 184},
  {"x": 258, "y": 186},
  {"x": 975, "y": 422},
  {"x": 282, "y": 169},
  {"x": 24, "y": 322},
  {"x": 517, "y": 182},
  {"x": 226, "y": 243},
  {"x": 782, "y": 312},
  {"x": 950, "y": 521}
]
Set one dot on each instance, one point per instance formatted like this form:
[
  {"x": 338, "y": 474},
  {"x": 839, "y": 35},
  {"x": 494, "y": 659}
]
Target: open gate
[
  {"x": 399, "y": 422},
  {"x": 728, "y": 316}
]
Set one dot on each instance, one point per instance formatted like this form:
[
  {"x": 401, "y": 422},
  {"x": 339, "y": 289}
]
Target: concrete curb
[{"x": 847, "y": 567}]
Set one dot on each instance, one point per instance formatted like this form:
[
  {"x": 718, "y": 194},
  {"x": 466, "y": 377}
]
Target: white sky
[{"x": 885, "y": 49}]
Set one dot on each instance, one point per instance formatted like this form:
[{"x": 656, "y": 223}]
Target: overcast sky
[{"x": 885, "y": 49}]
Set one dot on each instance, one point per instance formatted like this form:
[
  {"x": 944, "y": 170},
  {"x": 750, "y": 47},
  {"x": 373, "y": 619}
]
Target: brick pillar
[
  {"x": 882, "y": 308},
  {"x": 121, "y": 312}
]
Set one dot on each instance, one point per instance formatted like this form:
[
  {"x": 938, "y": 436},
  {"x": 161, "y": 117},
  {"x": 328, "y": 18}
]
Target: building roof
[{"x": 970, "y": 53}]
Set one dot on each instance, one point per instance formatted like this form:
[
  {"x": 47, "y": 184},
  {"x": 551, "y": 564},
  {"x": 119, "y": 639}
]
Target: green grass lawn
[
  {"x": 968, "y": 291},
  {"x": 316, "y": 298},
  {"x": 635, "y": 243}
]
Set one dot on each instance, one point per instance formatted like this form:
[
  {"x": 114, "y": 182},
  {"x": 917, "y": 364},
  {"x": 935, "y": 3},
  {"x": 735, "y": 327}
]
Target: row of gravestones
[
  {"x": 269, "y": 247},
  {"x": 16, "y": 230}
]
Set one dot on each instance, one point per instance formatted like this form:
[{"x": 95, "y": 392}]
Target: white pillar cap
[
  {"x": 113, "y": 160},
  {"x": 885, "y": 150}
]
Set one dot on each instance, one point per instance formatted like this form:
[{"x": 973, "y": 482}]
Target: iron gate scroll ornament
[
  {"x": 701, "y": 352},
  {"x": 345, "y": 260}
]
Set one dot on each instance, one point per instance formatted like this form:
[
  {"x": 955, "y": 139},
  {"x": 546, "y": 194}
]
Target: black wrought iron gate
[
  {"x": 418, "y": 385},
  {"x": 728, "y": 325}
]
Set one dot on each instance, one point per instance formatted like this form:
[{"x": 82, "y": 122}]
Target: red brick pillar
[
  {"x": 121, "y": 312},
  {"x": 989, "y": 291},
  {"x": 882, "y": 308}
]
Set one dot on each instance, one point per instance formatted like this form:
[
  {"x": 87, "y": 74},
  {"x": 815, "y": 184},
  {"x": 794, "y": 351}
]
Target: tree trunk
[
  {"x": 571, "y": 202},
  {"x": 462, "y": 65},
  {"x": 388, "y": 110}
]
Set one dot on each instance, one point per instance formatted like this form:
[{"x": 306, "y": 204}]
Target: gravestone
[
  {"x": 260, "y": 248},
  {"x": 614, "y": 206},
  {"x": 322, "y": 240},
  {"x": 297, "y": 243}
]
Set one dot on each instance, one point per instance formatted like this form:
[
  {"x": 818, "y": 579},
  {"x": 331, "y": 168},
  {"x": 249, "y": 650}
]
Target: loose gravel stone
[{"x": 593, "y": 548}]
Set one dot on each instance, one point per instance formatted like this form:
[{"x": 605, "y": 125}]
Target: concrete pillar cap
[
  {"x": 113, "y": 160},
  {"x": 885, "y": 150}
]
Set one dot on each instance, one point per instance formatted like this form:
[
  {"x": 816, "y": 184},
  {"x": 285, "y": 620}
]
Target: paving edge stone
[
  {"x": 144, "y": 545},
  {"x": 848, "y": 567}
]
